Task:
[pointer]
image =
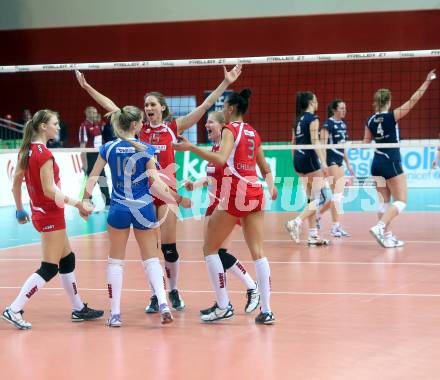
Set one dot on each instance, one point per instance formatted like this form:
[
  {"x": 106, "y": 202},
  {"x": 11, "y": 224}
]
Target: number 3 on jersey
[{"x": 251, "y": 147}]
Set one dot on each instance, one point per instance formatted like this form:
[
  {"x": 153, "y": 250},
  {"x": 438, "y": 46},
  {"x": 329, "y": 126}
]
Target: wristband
[{"x": 21, "y": 215}]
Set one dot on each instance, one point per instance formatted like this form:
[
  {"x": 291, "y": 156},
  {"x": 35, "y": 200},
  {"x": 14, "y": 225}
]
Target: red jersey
[
  {"x": 243, "y": 159},
  {"x": 41, "y": 206},
  {"x": 90, "y": 134},
  {"x": 161, "y": 137}
]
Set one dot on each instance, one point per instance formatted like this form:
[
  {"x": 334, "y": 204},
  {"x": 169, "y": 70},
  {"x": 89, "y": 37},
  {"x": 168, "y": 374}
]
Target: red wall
[{"x": 274, "y": 86}]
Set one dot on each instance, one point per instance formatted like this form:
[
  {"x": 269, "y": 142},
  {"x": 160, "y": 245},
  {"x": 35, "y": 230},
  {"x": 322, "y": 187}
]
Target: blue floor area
[{"x": 356, "y": 200}]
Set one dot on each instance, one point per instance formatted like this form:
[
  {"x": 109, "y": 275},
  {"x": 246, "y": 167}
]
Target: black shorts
[
  {"x": 305, "y": 163},
  {"x": 334, "y": 158},
  {"x": 386, "y": 168}
]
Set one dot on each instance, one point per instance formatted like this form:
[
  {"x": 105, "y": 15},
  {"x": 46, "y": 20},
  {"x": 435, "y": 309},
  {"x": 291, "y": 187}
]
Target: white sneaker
[
  {"x": 316, "y": 241},
  {"x": 392, "y": 242},
  {"x": 217, "y": 314},
  {"x": 253, "y": 299},
  {"x": 378, "y": 233},
  {"x": 294, "y": 229},
  {"x": 165, "y": 314},
  {"x": 16, "y": 319},
  {"x": 339, "y": 232},
  {"x": 114, "y": 320}
]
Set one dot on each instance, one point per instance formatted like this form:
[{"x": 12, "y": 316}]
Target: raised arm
[
  {"x": 185, "y": 122},
  {"x": 406, "y": 107},
  {"x": 101, "y": 99}
]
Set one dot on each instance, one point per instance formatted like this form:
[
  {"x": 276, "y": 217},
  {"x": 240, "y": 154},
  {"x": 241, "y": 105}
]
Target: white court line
[
  {"x": 77, "y": 237},
  {"x": 361, "y": 294},
  {"x": 251, "y": 262}
]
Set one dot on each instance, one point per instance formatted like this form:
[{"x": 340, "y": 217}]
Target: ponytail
[
  {"x": 26, "y": 145},
  {"x": 31, "y": 129},
  {"x": 121, "y": 120}
]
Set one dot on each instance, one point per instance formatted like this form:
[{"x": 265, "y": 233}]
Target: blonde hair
[
  {"x": 121, "y": 120},
  {"x": 218, "y": 116},
  {"x": 31, "y": 129},
  {"x": 381, "y": 98}
]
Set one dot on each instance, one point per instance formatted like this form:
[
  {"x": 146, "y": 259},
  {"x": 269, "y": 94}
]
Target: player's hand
[
  {"x": 431, "y": 76},
  {"x": 185, "y": 202},
  {"x": 22, "y": 216},
  {"x": 85, "y": 208},
  {"x": 189, "y": 186},
  {"x": 81, "y": 79},
  {"x": 231, "y": 76},
  {"x": 182, "y": 144},
  {"x": 324, "y": 169},
  {"x": 435, "y": 164}
]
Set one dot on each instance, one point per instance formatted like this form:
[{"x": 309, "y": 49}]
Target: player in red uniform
[
  {"x": 37, "y": 165},
  {"x": 161, "y": 134},
  {"x": 241, "y": 197},
  {"x": 213, "y": 180}
]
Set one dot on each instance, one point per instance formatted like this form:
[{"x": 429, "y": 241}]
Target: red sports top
[
  {"x": 162, "y": 137},
  {"x": 243, "y": 159},
  {"x": 41, "y": 206},
  {"x": 90, "y": 134}
]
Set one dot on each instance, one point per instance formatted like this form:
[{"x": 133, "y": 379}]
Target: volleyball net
[{"x": 274, "y": 81}]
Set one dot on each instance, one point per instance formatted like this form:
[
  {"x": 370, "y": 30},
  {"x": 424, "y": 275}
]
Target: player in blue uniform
[
  {"x": 387, "y": 169},
  {"x": 334, "y": 131},
  {"x": 310, "y": 164},
  {"x": 132, "y": 166}
]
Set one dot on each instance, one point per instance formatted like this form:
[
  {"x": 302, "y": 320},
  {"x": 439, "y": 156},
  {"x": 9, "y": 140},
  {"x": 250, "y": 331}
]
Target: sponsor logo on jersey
[
  {"x": 49, "y": 227},
  {"x": 160, "y": 147},
  {"x": 128, "y": 149},
  {"x": 249, "y": 133}
]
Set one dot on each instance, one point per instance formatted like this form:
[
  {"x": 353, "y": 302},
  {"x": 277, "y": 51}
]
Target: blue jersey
[
  {"x": 131, "y": 186},
  {"x": 337, "y": 134},
  {"x": 384, "y": 129},
  {"x": 302, "y": 132}
]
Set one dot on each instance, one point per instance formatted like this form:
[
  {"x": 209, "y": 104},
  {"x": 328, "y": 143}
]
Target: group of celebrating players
[{"x": 145, "y": 195}]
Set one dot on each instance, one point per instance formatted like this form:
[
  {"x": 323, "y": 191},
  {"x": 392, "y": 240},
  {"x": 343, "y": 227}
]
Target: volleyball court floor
[{"x": 352, "y": 310}]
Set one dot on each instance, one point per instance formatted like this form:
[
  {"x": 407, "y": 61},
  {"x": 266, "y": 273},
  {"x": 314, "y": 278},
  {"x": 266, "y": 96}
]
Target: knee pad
[
  {"x": 338, "y": 197},
  {"x": 67, "y": 264},
  {"x": 47, "y": 271},
  {"x": 399, "y": 205},
  {"x": 170, "y": 252},
  {"x": 226, "y": 258}
]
